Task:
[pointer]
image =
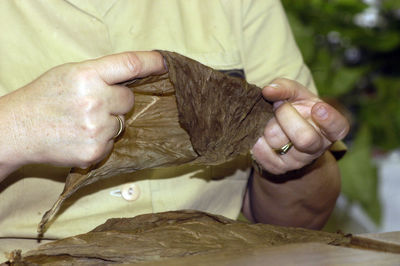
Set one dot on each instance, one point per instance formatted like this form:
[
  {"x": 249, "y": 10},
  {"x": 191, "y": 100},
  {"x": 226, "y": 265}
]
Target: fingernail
[
  {"x": 273, "y": 85},
  {"x": 260, "y": 139},
  {"x": 277, "y": 104},
  {"x": 322, "y": 112},
  {"x": 165, "y": 64}
]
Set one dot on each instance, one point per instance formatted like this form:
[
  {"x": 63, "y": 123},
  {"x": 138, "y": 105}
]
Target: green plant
[{"x": 357, "y": 65}]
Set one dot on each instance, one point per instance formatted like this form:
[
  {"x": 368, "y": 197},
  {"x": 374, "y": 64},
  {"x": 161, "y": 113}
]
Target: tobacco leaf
[
  {"x": 192, "y": 114},
  {"x": 175, "y": 234}
]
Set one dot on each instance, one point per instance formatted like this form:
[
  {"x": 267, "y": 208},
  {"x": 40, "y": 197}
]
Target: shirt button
[{"x": 130, "y": 192}]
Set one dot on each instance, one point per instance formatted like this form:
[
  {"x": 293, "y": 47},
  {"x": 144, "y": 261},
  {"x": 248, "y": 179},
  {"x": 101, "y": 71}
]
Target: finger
[
  {"x": 274, "y": 135},
  {"x": 107, "y": 150},
  {"x": 331, "y": 122},
  {"x": 278, "y": 164},
  {"x": 267, "y": 158},
  {"x": 301, "y": 133},
  {"x": 101, "y": 154},
  {"x": 113, "y": 128},
  {"x": 121, "y": 100},
  {"x": 121, "y": 67},
  {"x": 285, "y": 89}
]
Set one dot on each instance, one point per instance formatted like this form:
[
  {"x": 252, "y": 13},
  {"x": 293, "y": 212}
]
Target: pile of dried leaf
[{"x": 161, "y": 236}]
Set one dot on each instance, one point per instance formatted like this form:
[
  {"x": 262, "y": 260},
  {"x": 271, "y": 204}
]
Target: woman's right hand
[{"x": 66, "y": 117}]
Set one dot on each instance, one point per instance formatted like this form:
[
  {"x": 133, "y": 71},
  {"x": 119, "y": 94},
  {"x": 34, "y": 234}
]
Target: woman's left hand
[{"x": 302, "y": 119}]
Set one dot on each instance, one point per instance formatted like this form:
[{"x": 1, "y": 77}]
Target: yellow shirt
[{"x": 37, "y": 35}]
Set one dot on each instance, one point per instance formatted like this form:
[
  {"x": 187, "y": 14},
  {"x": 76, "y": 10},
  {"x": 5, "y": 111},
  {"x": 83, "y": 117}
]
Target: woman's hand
[
  {"x": 302, "y": 119},
  {"x": 303, "y": 198},
  {"x": 66, "y": 117}
]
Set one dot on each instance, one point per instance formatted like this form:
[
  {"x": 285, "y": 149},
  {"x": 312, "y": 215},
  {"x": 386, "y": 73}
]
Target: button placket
[{"x": 129, "y": 192}]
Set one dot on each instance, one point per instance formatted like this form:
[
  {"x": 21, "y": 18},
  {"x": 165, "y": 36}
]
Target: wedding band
[
  {"x": 284, "y": 149},
  {"x": 121, "y": 126}
]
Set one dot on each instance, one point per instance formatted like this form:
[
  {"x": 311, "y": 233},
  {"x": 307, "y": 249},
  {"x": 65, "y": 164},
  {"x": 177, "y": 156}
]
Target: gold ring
[
  {"x": 284, "y": 149},
  {"x": 121, "y": 126}
]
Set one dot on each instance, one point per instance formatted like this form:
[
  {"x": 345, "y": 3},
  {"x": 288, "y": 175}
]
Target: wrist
[
  {"x": 306, "y": 199},
  {"x": 283, "y": 178}
]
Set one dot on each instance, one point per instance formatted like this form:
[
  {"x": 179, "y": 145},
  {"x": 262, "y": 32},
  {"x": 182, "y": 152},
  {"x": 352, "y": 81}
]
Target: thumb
[
  {"x": 285, "y": 89},
  {"x": 330, "y": 121},
  {"x": 125, "y": 66}
]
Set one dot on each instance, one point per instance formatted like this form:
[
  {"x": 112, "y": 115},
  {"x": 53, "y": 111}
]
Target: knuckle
[
  {"x": 82, "y": 73},
  {"x": 83, "y": 80},
  {"x": 133, "y": 64},
  {"x": 271, "y": 132},
  {"x": 307, "y": 141},
  {"x": 128, "y": 97},
  {"x": 285, "y": 82},
  {"x": 92, "y": 154},
  {"x": 90, "y": 104},
  {"x": 130, "y": 101},
  {"x": 93, "y": 130},
  {"x": 89, "y": 131}
]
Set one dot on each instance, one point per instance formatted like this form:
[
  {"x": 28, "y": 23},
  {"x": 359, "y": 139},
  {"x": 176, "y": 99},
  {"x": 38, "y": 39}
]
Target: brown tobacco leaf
[
  {"x": 162, "y": 236},
  {"x": 193, "y": 114}
]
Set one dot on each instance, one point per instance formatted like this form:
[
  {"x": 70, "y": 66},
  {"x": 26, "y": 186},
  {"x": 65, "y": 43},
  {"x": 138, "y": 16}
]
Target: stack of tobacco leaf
[
  {"x": 162, "y": 236},
  {"x": 192, "y": 114}
]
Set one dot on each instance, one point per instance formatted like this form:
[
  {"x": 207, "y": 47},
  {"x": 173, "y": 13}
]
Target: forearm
[{"x": 306, "y": 200}]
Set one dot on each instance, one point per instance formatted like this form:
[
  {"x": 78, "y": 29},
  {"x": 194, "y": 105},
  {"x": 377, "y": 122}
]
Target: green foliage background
[{"x": 358, "y": 67}]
